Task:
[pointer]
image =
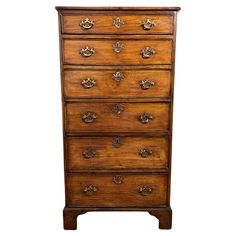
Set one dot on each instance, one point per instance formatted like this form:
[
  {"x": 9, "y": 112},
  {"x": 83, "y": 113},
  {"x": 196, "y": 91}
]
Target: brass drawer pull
[
  {"x": 145, "y": 117},
  {"x": 117, "y": 47},
  {"x": 88, "y": 83},
  {"x": 90, "y": 190},
  {"x": 148, "y": 24},
  {"x": 118, "y": 22},
  {"x": 147, "y": 52},
  {"x": 145, "y": 190},
  {"x": 145, "y": 152},
  {"x": 118, "y": 179},
  {"x": 117, "y": 142},
  {"x": 87, "y": 51},
  {"x": 118, "y": 76},
  {"x": 89, "y": 153},
  {"x": 89, "y": 117},
  {"x": 146, "y": 84},
  {"x": 86, "y": 24},
  {"x": 117, "y": 109}
]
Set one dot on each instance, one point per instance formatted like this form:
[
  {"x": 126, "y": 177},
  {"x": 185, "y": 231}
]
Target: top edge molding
[{"x": 118, "y": 8}]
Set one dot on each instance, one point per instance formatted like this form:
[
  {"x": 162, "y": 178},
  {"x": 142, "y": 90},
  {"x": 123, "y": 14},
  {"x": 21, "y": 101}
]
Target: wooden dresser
[{"x": 117, "y": 77}]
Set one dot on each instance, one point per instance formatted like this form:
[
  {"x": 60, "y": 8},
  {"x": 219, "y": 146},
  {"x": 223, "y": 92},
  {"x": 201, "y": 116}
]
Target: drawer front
[
  {"x": 121, "y": 117},
  {"x": 108, "y": 190},
  {"x": 112, "y": 24},
  {"x": 116, "y": 52},
  {"x": 116, "y": 83},
  {"x": 116, "y": 152}
]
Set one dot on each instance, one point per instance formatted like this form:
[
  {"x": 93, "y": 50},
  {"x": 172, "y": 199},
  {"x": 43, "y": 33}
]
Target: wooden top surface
[{"x": 119, "y": 8}]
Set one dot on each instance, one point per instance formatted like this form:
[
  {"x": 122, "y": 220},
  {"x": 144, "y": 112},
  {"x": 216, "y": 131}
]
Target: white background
[{"x": 204, "y": 156}]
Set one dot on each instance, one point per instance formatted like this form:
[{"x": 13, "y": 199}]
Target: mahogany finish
[
  {"x": 126, "y": 193},
  {"x": 131, "y": 24},
  {"x": 107, "y": 87},
  {"x": 105, "y": 55},
  {"x": 127, "y": 155},
  {"x": 117, "y": 77},
  {"x": 108, "y": 121}
]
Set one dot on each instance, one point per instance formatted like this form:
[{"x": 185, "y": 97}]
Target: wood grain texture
[
  {"x": 108, "y": 121},
  {"x": 158, "y": 101},
  {"x": 107, "y": 87},
  {"x": 121, "y": 67},
  {"x": 70, "y": 218},
  {"x": 125, "y": 156},
  {"x": 104, "y": 24},
  {"x": 118, "y": 36},
  {"x": 164, "y": 216},
  {"x": 104, "y": 54},
  {"x": 109, "y": 194},
  {"x": 140, "y": 9}
]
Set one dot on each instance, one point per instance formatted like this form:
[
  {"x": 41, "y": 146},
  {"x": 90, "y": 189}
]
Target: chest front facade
[{"x": 117, "y": 77}]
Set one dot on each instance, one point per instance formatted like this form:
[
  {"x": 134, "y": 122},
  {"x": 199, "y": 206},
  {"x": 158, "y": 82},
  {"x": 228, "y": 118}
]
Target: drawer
[
  {"x": 116, "y": 152},
  {"x": 116, "y": 24},
  {"x": 116, "y": 83},
  {"x": 121, "y": 117},
  {"x": 111, "y": 190},
  {"x": 117, "y": 52}
]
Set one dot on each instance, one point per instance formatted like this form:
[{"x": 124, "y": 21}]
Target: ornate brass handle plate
[
  {"x": 145, "y": 190},
  {"x": 88, "y": 83},
  {"x": 148, "y": 24},
  {"x": 86, "y": 24},
  {"x": 118, "y": 22},
  {"x": 145, "y": 152},
  {"x": 118, "y": 76},
  {"x": 117, "y": 47},
  {"x": 117, "y": 109},
  {"x": 146, "y": 84},
  {"x": 87, "y": 51},
  {"x": 89, "y": 117},
  {"x": 118, "y": 179},
  {"x": 147, "y": 52},
  {"x": 145, "y": 117},
  {"x": 89, "y": 153},
  {"x": 90, "y": 190}
]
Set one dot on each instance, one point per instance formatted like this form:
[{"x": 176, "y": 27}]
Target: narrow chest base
[{"x": 163, "y": 214}]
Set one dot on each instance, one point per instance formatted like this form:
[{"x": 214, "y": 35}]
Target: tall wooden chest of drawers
[{"x": 117, "y": 77}]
